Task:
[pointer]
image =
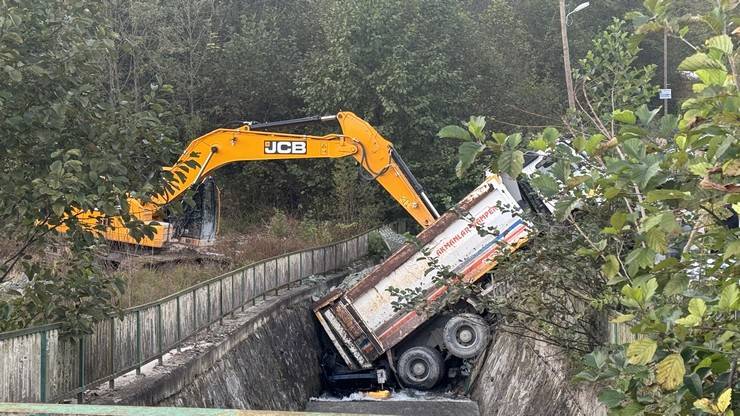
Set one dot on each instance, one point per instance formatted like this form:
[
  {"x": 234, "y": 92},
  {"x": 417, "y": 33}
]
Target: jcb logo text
[{"x": 285, "y": 148}]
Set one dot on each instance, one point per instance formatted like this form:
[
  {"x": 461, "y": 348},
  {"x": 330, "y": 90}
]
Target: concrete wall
[
  {"x": 266, "y": 358},
  {"x": 522, "y": 377}
]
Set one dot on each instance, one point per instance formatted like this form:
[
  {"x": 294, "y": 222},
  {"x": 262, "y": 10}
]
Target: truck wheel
[
  {"x": 466, "y": 335},
  {"x": 420, "y": 367}
]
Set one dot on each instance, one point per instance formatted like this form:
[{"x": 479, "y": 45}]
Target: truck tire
[
  {"x": 466, "y": 335},
  {"x": 420, "y": 367}
]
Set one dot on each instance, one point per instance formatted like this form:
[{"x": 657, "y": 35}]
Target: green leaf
[
  {"x": 722, "y": 43},
  {"x": 564, "y": 207},
  {"x": 454, "y": 132},
  {"x": 611, "y": 398},
  {"x": 657, "y": 240},
  {"x": 693, "y": 383},
  {"x": 622, "y": 318},
  {"x": 562, "y": 170},
  {"x": 513, "y": 140},
  {"x": 665, "y": 220},
  {"x": 697, "y": 307},
  {"x": 58, "y": 208},
  {"x": 688, "y": 321},
  {"x": 641, "y": 351},
  {"x": 700, "y": 169},
  {"x": 467, "y": 152},
  {"x": 732, "y": 250},
  {"x": 624, "y": 116},
  {"x": 611, "y": 192},
  {"x": 650, "y": 287},
  {"x": 551, "y": 134},
  {"x": 475, "y": 126},
  {"x": 511, "y": 162},
  {"x": 665, "y": 194},
  {"x": 670, "y": 371},
  {"x": 618, "y": 219},
  {"x": 595, "y": 359},
  {"x": 700, "y": 61},
  {"x": 676, "y": 285},
  {"x": 718, "y": 407},
  {"x": 632, "y": 296},
  {"x": 645, "y": 115},
  {"x": 546, "y": 184},
  {"x": 641, "y": 258},
  {"x": 539, "y": 144},
  {"x": 635, "y": 148},
  {"x": 728, "y": 299},
  {"x": 611, "y": 267},
  {"x": 592, "y": 144},
  {"x": 586, "y": 375},
  {"x": 712, "y": 76}
]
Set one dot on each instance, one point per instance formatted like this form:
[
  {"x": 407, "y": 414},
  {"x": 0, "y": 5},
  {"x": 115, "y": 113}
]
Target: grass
[
  {"x": 146, "y": 285},
  {"x": 239, "y": 246}
]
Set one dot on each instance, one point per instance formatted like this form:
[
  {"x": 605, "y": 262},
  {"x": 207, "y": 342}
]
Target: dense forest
[{"x": 408, "y": 67}]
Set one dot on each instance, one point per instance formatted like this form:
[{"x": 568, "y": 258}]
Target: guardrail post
[
  {"x": 276, "y": 277},
  {"x": 42, "y": 367},
  {"x": 179, "y": 325},
  {"x": 244, "y": 290},
  {"x": 289, "y": 267},
  {"x": 233, "y": 297},
  {"x": 112, "y": 352},
  {"x": 160, "y": 336},
  {"x": 81, "y": 368},
  {"x": 264, "y": 281},
  {"x": 254, "y": 287},
  {"x": 208, "y": 303},
  {"x": 195, "y": 312},
  {"x": 300, "y": 267},
  {"x": 138, "y": 342},
  {"x": 221, "y": 302}
]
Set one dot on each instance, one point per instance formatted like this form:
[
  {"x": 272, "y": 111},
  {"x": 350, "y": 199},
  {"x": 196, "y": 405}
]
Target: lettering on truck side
[{"x": 475, "y": 223}]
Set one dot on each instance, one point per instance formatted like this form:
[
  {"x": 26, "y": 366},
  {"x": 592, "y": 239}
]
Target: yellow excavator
[{"x": 254, "y": 141}]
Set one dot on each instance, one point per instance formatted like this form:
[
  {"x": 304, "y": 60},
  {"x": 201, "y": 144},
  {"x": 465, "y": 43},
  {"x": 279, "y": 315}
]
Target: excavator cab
[{"x": 196, "y": 225}]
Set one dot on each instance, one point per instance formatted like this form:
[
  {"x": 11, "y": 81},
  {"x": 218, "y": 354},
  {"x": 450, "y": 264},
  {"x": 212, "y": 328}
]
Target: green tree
[
  {"x": 399, "y": 64},
  {"x": 66, "y": 147},
  {"x": 607, "y": 78},
  {"x": 652, "y": 204}
]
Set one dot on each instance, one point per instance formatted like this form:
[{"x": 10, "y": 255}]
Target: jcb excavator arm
[{"x": 250, "y": 142}]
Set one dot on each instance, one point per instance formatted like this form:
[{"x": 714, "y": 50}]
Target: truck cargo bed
[{"x": 361, "y": 321}]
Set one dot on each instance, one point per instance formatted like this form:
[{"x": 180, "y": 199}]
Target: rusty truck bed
[{"x": 361, "y": 321}]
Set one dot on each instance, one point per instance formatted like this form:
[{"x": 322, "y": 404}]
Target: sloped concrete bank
[
  {"x": 265, "y": 358},
  {"x": 523, "y": 377}
]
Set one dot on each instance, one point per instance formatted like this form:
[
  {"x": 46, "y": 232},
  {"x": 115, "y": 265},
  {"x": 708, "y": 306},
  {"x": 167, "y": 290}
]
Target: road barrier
[{"x": 38, "y": 365}]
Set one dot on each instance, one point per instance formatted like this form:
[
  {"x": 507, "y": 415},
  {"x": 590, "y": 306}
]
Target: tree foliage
[
  {"x": 652, "y": 203},
  {"x": 67, "y": 146}
]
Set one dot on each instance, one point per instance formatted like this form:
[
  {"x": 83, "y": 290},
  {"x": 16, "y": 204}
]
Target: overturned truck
[{"x": 370, "y": 335}]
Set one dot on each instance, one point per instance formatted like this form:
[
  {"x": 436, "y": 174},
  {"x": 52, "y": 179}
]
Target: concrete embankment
[
  {"x": 264, "y": 358},
  {"x": 523, "y": 377}
]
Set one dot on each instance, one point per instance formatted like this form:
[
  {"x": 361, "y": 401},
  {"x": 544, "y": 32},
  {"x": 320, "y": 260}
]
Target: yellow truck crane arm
[{"x": 248, "y": 142}]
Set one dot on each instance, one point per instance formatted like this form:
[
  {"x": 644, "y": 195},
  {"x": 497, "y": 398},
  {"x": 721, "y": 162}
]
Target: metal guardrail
[{"x": 37, "y": 365}]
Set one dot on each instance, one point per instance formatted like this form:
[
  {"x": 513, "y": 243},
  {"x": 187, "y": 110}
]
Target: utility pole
[{"x": 566, "y": 58}]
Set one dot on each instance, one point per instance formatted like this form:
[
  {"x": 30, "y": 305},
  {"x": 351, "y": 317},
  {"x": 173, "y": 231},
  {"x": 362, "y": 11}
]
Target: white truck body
[{"x": 361, "y": 321}]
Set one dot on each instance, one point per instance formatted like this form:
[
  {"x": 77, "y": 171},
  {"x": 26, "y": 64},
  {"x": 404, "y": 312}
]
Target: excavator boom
[{"x": 221, "y": 147}]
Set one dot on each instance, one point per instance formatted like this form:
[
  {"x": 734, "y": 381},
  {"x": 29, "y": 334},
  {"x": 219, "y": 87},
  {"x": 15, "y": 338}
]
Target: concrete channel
[{"x": 268, "y": 358}]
